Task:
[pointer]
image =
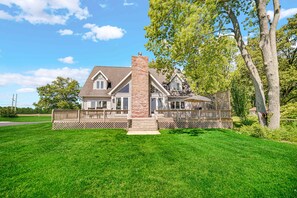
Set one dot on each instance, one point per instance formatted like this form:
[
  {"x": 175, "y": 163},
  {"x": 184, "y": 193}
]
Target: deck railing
[
  {"x": 194, "y": 114},
  {"x": 103, "y": 115},
  {"x": 84, "y": 115}
]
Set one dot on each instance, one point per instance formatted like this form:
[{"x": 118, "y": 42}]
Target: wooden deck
[{"x": 82, "y": 119}]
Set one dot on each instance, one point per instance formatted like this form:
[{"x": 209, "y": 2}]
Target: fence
[
  {"x": 195, "y": 114},
  {"x": 87, "y": 115},
  {"x": 194, "y": 119}
]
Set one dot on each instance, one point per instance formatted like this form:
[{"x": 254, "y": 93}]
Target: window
[
  {"x": 160, "y": 103},
  {"x": 177, "y": 86},
  {"x": 93, "y": 103},
  {"x": 119, "y": 103},
  {"x": 182, "y": 105},
  {"x": 101, "y": 104},
  {"x": 100, "y": 84},
  {"x": 125, "y": 103},
  {"x": 172, "y": 105},
  {"x": 177, "y": 105},
  {"x": 125, "y": 89}
]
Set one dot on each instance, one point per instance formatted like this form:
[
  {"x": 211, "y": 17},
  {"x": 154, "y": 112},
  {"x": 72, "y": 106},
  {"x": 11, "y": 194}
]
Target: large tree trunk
[
  {"x": 259, "y": 91},
  {"x": 269, "y": 54}
]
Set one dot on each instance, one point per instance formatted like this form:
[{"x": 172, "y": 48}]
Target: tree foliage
[
  {"x": 287, "y": 56},
  {"x": 62, "y": 93},
  {"x": 180, "y": 35},
  {"x": 191, "y": 34}
]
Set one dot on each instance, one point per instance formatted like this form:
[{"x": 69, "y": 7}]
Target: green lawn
[
  {"x": 38, "y": 162},
  {"x": 27, "y": 119}
]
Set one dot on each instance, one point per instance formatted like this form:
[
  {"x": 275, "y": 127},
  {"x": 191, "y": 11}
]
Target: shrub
[
  {"x": 285, "y": 133},
  {"x": 289, "y": 111},
  {"x": 7, "y": 112},
  {"x": 255, "y": 130}
]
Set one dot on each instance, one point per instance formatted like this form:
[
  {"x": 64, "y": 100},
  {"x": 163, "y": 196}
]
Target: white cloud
[
  {"x": 42, "y": 76},
  {"x": 285, "y": 13},
  {"x": 65, "y": 32},
  {"x": 43, "y": 11},
  {"x": 5, "y": 15},
  {"x": 103, "y": 33},
  {"x": 126, "y": 3},
  {"x": 26, "y": 90},
  {"x": 103, "y": 5},
  {"x": 67, "y": 60}
]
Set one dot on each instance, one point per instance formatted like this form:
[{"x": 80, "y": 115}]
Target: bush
[
  {"x": 285, "y": 133},
  {"x": 255, "y": 130},
  {"x": 289, "y": 111},
  {"x": 7, "y": 112}
]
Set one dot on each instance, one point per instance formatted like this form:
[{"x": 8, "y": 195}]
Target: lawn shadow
[{"x": 191, "y": 132}]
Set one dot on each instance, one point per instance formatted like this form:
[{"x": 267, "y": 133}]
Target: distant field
[
  {"x": 38, "y": 162},
  {"x": 27, "y": 118}
]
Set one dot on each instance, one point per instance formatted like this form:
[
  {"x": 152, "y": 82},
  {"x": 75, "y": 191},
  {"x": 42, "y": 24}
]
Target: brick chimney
[{"x": 140, "y": 94}]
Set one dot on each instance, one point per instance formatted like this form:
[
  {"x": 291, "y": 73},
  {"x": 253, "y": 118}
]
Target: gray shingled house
[
  {"x": 139, "y": 99},
  {"x": 110, "y": 88}
]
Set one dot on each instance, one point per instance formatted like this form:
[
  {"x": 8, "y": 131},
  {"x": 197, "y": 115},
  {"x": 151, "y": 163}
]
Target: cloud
[
  {"x": 67, "y": 60},
  {"x": 43, "y": 12},
  {"x": 5, "y": 15},
  {"x": 42, "y": 76},
  {"x": 26, "y": 90},
  {"x": 103, "y": 5},
  {"x": 103, "y": 33},
  {"x": 128, "y": 4},
  {"x": 285, "y": 13},
  {"x": 65, "y": 32}
]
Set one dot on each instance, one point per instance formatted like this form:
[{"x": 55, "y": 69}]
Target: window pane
[
  {"x": 125, "y": 89},
  {"x": 98, "y": 103},
  {"x": 98, "y": 85},
  {"x": 177, "y": 86},
  {"x": 160, "y": 103},
  {"x": 119, "y": 103},
  {"x": 104, "y": 104},
  {"x": 102, "y": 84},
  {"x": 125, "y": 103},
  {"x": 172, "y": 105},
  {"x": 93, "y": 104},
  {"x": 177, "y": 105},
  {"x": 182, "y": 105}
]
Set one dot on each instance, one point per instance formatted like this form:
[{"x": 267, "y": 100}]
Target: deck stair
[{"x": 143, "y": 126}]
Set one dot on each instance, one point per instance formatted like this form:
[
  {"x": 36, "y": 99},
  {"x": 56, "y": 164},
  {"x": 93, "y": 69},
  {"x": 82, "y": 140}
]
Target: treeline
[{"x": 28, "y": 110}]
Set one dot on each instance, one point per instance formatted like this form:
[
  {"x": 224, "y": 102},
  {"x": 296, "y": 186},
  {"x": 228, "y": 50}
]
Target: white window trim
[{"x": 99, "y": 72}]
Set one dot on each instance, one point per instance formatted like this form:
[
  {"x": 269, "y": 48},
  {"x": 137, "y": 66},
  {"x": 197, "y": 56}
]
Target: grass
[
  {"x": 27, "y": 119},
  {"x": 38, "y": 162}
]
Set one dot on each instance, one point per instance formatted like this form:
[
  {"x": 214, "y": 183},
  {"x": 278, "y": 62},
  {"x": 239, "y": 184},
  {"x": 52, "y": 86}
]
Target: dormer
[
  {"x": 100, "y": 81},
  {"x": 176, "y": 83}
]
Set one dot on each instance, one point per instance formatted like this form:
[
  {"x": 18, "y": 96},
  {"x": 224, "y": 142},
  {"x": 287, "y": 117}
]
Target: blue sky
[{"x": 43, "y": 39}]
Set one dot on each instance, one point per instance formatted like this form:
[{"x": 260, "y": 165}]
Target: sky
[{"x": 43, "y": 39}]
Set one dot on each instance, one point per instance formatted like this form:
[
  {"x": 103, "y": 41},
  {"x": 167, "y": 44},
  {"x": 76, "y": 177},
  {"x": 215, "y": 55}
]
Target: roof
[{"x": 115, "y": 75}]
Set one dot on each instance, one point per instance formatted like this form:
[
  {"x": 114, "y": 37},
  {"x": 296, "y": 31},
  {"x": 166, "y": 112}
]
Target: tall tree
[
  {"x": 181, "y": 31},
  {"x": 62, "y": 93}
]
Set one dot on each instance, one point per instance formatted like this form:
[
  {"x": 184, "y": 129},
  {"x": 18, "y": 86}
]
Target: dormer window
[{"x": 100, "y": 84}]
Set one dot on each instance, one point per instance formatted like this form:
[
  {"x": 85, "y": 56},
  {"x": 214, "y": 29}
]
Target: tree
[
  {"x": 62, "y": 93},
  {"x": 287, "y": 55},
  {"x": 189, "y": 34}
]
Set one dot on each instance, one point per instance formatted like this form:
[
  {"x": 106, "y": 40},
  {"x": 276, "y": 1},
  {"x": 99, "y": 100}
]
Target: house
[
  {"x": 138, "y": 98},
  {"x": 138, "y": 89}
]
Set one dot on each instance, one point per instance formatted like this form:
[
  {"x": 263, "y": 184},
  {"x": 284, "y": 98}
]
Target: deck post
[
  {"x": 104, "y": 114},
  {"x": 78, "y": 115},
  {"x": 53, "y": 114}
]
